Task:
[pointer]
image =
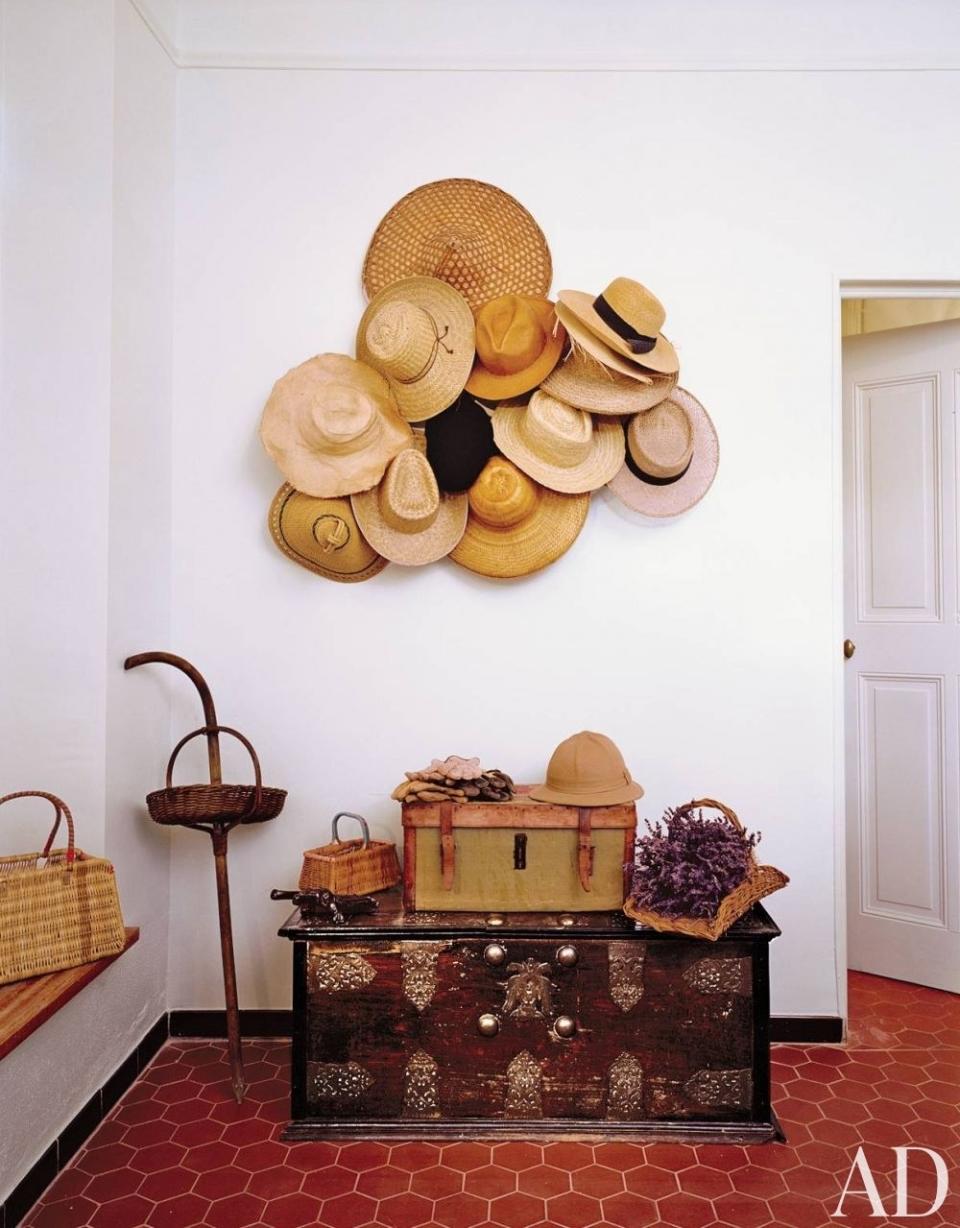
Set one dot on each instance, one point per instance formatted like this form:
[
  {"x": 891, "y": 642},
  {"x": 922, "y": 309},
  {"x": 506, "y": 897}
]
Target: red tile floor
[{"x": 177, "y": 1151}]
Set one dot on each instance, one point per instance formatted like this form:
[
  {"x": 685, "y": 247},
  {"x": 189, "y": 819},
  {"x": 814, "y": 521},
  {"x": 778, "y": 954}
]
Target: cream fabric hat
[
  {"x": 672, "y": 457},
  {"x": 419, "y": 333},
  {"x": 582, "y": 381},
  {"x": 322, "y": 535},
  {"x": 406, "y": 518},
  {"x": 587, "y": 770},
  {"x": 332, "y": 426},
  {"x": 515, "y": 526},
  {"x": 562, "y": 447},
  {"x": 628, "y": 318}
]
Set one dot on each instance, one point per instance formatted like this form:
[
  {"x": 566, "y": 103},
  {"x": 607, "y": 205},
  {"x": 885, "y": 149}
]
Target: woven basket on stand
[
  {"x": 760, "y": 881},
  {"x": 58, "y": 914},
  {"x": 350, "y": 867}
]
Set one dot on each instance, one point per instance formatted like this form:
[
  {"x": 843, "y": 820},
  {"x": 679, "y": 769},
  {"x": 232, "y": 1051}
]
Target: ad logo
[{"x": 861, "y": 1168}]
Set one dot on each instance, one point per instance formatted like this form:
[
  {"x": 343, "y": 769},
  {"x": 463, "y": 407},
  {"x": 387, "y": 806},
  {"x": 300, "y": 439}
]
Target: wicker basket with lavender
[{"x": 694, "y": 875}]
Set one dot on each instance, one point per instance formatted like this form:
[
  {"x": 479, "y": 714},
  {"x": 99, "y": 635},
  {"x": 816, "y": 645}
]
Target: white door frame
[{"x": 845, "y": 288}]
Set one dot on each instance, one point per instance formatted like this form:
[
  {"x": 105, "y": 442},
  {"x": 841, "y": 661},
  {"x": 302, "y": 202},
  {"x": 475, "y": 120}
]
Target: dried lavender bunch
[{"x": 686, "y": 864}]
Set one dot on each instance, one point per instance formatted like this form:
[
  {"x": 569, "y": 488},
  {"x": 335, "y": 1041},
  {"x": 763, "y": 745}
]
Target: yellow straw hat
[
  {"x": 515, "y": 526},
  {"x": 628, "y": 318},
  {"x": 583, "y": 381},
  {"x": 332, "y": 426},
  {"x": 672, "y": 457},
  {"x": 519, "y": 342},
  {"x": 468, "y": 233},
  {"x": 562, "y": 447},
  {"x": 419, "y": 334},
  {"x": 406, "y": 518},
  {"x": 323, "y": 536}
]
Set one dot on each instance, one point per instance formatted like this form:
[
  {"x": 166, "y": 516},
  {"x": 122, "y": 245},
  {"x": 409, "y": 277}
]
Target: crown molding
[{"x": 337, "y": 36}]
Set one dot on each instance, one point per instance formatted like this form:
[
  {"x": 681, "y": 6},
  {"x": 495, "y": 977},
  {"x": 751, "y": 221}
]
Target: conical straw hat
[
  {"x": 562, "y": 447},
  {"x": 406, "y": 518}
]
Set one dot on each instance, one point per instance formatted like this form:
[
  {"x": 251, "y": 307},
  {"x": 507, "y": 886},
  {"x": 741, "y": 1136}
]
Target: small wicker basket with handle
[
  {"x": 760, "y": 881},
  {"x": 58, "y": 908},
  {"x": 350, "y": 867}
]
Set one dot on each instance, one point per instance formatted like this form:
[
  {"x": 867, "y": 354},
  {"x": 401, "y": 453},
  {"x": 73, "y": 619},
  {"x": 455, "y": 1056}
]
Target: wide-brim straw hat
[
  {"x": 651, "y": 437},
  {"x": 470, "y": 234},
  {"x": 583, "y": 381},
  {"x": 516, "y": 526},
  {"x": 406, "y": 518},
  {"x": 628, "y": 318},
  {"x": 581, "y": 337},
  {"x": 323, "y": 536},
  {"x": 332, "y": 426},
  {"x": 419, "y": 334},
  {"x": 560, "y": 446},
  {"x": 519, "y": 342}
]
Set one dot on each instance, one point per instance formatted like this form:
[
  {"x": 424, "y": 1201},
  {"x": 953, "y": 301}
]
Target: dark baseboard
[
  {"x": 784, "y": 1029},
  {"x": 60, "y": 1152}
]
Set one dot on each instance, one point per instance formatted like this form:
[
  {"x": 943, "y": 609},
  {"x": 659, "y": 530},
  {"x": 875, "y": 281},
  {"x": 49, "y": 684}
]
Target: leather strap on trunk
[
  {"x": 448, "y": 849},
  {"x": 584, "y": 848}
]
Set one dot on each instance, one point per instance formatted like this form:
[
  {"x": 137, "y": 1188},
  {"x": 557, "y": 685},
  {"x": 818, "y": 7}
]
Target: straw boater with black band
[
  {"x": 419, "y": 334},
  {"x": 627, "y": 317},
  {"x": 671, "y": 459}
]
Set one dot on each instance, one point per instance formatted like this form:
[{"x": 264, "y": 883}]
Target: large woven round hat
[
  {"x": 418, "y": 333},
  {"x": 406, "y": 518},
  {"x": 671, "y": 459},
  {"x": 628, "y": 318},
  {"x": 562, "y": 447},
  {"x": 516, "y": 526},
  {"x": 519, "y": 342},
  {"x": 583, "y": 381},
  {"x": 467, "y": 233},
  {"x": 323, "y": 536},
  {"x": 332, "y": 426}
]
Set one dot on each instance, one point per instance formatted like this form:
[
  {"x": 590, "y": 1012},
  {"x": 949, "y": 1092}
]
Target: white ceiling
[{"x": 684, "y": 35}]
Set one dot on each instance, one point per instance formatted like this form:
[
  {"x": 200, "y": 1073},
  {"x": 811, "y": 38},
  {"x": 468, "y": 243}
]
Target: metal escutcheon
[
  {"x": 488, "y": 1025},
  {"x": 565, "y": 1026},
  {"x": 567, "y": 956},
  {"x": 495, "y": 954}
]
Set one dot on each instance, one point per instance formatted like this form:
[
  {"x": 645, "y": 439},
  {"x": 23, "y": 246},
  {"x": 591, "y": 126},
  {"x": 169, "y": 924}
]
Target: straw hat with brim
[
  {"x": 628, "y": 318},
  {"x": 332, "y": 426},
  {"x": 419, "y": 334},
  {"x": 519, "y": 342},
  {"x": 467, "y": 233},
  {"x": 323, "y": 536},
  {"x": 671, "y": 459},
  {"x": 406, "y": 518},
  {"x": 459, "y": 444},
  {"x": 562, "y": 447},
  {"x": 587, "y": 770},
  {"x": 582, "y": 381},
  {"x": 580, "y": 336},
  {"x": 515, "y": 526}
]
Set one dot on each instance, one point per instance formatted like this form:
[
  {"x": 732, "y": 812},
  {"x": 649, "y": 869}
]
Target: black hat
[{"x": 459, "y": 444}]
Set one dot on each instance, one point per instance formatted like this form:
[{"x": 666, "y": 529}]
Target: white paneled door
[{"x": 901, "y": 394}]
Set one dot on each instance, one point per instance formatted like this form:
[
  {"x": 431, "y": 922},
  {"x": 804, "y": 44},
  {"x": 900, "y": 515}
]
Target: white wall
[
  {"x": 706, "y": 648},
  {"x": 87, "y": 237}
]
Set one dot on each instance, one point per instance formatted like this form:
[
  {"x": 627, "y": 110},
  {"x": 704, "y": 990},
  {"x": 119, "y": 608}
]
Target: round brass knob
[
  {"x": 565, "y": 1026},
  {"x": 567, "y": 956},
  {"x": 488, "y": 1025},
  {"x": 849, "y": 648},
  {"x": 495, "y": 954}
]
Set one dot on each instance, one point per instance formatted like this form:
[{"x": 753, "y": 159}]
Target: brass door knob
[
  {"x": 567, "y": 956},
  {"x": 849, "y": 648},
  {"x": 488, "y": 1025},
  {"x": 495, "y": 954},
  {"x": 565, "y": 1026}
]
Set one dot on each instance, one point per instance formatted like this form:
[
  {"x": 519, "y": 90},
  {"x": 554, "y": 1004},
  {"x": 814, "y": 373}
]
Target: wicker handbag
[
  {"x": 350, "y": 867},
  {"x": 760, "y": 881},
  {"x": 57, "y": 914}
]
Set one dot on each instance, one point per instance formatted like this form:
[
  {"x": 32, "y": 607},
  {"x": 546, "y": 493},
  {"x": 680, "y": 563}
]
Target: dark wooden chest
[{"x": 419, "y": 1024}]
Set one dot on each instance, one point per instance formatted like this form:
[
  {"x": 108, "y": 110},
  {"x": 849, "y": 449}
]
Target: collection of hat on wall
[{"x": 525, "y": 406}]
